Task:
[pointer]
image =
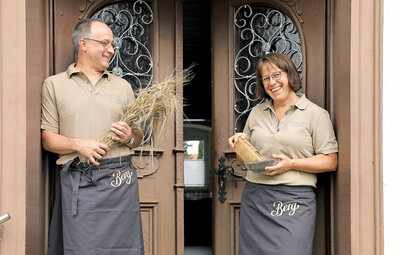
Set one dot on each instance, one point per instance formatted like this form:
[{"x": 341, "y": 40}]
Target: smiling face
[
  {"x": 277, "y": 88},
  {"x": 97, "y": 55},
  {"x": 280, "y": 67}
]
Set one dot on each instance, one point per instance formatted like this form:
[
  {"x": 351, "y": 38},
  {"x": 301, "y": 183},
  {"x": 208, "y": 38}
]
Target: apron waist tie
[{"x": 75, "y": 172}]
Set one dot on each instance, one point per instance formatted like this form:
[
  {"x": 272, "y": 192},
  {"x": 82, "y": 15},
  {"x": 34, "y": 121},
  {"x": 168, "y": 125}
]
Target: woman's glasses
[{"x": 267, "y": 79}]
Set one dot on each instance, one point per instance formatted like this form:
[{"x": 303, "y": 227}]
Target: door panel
[
  {"x": 161, "y": 175},
  {"x": 309, "y": 18}
]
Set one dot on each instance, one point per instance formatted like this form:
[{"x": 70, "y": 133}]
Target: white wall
[{"x": 391, "y": 126}]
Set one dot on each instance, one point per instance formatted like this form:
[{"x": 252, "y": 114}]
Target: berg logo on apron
[
  {"x": 280, "y": 208},
  {"x": 121, "y": 177}
]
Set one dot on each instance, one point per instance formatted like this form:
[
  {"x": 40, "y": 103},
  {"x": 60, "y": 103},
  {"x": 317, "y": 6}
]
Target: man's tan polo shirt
[
  {"x": 304, "y": 131},
  {"x": 73, "y": 107}
]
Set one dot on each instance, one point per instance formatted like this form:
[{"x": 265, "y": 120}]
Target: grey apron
[
  {"x": 277, "y": 220},
  {"x": 98, "y": 210}
]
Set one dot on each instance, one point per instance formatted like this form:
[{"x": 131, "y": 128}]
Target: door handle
[
  {"x": 4, "y": 218},
  {"x": 222, "y": 171}
]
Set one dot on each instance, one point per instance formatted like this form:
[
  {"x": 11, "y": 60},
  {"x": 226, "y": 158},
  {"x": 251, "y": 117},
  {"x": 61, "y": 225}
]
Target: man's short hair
[{"x": 82, "y": 30}]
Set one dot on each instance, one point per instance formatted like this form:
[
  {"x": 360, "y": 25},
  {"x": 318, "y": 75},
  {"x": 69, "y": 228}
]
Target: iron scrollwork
[
  {"x": 222, "y": 171},
  {"x": 131, "y": 23},
  {"x": 131, "y": 26},
  {"x": 258, "y": 31}
]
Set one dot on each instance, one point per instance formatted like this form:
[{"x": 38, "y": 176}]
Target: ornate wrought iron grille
[
  {"x": 259, "y": 30},
  {"x": 131, "y": 24}
]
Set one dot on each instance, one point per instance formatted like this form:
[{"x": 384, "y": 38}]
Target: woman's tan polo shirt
[
  {"x": 73, "y": 107},
  {"x": 304, "y": 131}
]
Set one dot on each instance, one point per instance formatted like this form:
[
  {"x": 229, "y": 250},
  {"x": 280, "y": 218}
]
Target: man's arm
[
  {"x": 137, "y": 135},
  {"x": 60, "y": 144}
]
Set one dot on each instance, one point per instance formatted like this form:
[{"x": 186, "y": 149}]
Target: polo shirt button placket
[{"x": 281, "y": 122}]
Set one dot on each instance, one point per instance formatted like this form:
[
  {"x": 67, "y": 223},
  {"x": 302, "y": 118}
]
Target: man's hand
[
  {"x": 91, "y": 149},
  {"x": 123, "y": 132}
]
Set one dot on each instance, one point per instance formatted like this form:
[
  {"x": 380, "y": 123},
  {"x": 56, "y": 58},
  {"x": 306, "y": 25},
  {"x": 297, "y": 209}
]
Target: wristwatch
[{"x": 131, "y": 141}]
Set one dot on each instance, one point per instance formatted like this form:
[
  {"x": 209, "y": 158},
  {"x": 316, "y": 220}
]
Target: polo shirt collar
[
  {"x": 301, "y": 104},
  {"x": 268, "y": 105},
  {"x": 72, "y": 70}
]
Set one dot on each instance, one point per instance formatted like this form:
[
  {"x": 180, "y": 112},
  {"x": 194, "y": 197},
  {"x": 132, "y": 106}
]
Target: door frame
[
  {"x": 355, "y": 29},
  {"x": 161, "y": 181},
  {"x": 313, "y": 86}
]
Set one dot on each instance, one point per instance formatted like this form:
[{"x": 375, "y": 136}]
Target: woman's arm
[{"x": 316, "y": 164}]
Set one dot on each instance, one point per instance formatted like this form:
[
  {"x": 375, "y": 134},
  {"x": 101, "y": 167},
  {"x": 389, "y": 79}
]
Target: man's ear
[{"x": 82, "y": 45}]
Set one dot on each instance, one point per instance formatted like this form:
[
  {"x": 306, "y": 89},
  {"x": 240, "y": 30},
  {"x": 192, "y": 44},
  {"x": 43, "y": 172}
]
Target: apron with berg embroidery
[
  {"x": 277, "y": 220},
  {"x": 99, "y": 211}
]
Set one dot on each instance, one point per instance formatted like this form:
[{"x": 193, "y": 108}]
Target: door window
[
  {"x": 194, "y": 163},
  {"x": 197, "y": 161},
  {"x": 131, "y": 23},
  {"x": 257, "y": 31}
]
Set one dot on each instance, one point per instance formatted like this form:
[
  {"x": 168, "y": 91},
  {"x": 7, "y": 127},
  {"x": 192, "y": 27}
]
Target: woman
[{"x": 278, "y": 207}]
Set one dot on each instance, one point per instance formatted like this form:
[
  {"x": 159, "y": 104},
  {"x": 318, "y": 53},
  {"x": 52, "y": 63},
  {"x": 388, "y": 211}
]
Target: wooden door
[
  {"x": 241, "y": 32},
  {"x": 160, "y": 177}
]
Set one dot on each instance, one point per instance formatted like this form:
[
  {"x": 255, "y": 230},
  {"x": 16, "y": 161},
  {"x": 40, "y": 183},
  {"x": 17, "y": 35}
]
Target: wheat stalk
[{"x": 154, "y": 106}]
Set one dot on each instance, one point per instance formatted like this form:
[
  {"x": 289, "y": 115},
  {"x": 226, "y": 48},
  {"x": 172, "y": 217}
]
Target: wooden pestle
[{"x": 245, "y": 150}]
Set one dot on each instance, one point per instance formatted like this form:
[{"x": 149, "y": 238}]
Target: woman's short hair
[
  {"x": 284, "y": 63},
  {"x": 81, "y": 30}
]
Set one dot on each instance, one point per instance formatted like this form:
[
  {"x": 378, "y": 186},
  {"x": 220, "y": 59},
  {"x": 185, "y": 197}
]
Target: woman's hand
[
  {"x": 233, "y": 139},
  {"x": 316, "y": 164},
  {"x": 284, "y": 164}
]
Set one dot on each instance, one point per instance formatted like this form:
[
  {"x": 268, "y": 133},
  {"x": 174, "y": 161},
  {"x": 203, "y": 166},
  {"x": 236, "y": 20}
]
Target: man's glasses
[
  {"x": 267, "y": 79},
  {"x": 105, "y": 44}
]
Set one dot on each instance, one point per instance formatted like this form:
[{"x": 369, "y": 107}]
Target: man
[{"x": 98, "y": 210}]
